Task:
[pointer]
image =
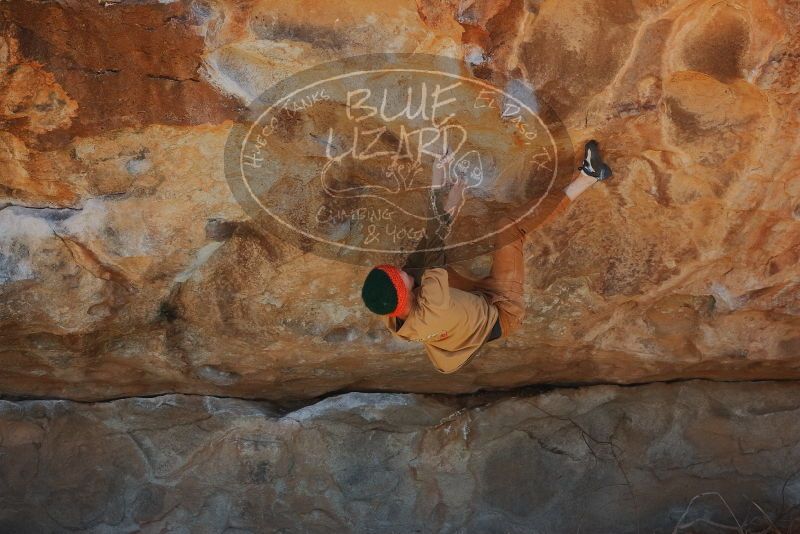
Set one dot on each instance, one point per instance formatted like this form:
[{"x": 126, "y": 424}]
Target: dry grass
[{"x": 757, "y": 520}]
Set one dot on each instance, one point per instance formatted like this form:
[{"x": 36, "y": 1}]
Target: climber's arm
[
  {"x": 441, "y": 201},
  {"x": 434, "y": 256}
]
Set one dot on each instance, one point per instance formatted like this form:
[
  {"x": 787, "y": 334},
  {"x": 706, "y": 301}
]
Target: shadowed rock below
[{"x": 601, "y": 459}]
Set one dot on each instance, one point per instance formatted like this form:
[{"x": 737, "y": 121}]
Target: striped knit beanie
[{"x": 384, "y": 291}]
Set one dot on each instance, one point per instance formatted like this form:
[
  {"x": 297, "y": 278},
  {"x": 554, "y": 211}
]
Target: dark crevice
[
  {"x": 52, "y": 214},
  {"x": 54, "y": 209},
  {"x": 478, "y": 398},
  {"x": 26, "y": 207},
  {"x": 95, "y": 72},
  {"x": 171, "y": 78}
]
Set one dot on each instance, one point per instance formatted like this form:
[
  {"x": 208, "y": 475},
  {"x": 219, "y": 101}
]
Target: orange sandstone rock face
[{"x": 127, "y": 268}]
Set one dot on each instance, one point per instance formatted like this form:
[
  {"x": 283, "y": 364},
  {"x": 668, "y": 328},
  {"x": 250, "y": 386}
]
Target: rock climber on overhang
[{"x": 452, "y": 315}]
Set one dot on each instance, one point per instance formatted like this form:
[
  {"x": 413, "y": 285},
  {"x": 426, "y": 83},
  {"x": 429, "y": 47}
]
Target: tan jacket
[{"x": 452, "y": 324}]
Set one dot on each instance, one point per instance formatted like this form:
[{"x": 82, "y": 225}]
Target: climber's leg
[{"x": 505, "y": 283}]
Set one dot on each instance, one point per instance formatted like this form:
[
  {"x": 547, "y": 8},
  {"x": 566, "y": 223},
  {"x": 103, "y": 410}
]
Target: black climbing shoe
[{"x": 593, "y": 163}]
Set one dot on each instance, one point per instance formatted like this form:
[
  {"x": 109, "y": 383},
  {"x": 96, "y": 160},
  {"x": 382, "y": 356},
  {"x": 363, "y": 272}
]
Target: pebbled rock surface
[
  {"x": 695, "y": 457},
  {"x": 127, "y": 268}
]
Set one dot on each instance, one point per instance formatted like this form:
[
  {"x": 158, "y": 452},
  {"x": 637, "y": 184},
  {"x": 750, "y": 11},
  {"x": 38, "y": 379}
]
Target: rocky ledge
[{"x": 694, "y": 456}]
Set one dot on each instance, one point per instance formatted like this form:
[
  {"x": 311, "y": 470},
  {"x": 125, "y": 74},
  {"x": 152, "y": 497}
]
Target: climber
[{"x": 452, "y": 315}]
